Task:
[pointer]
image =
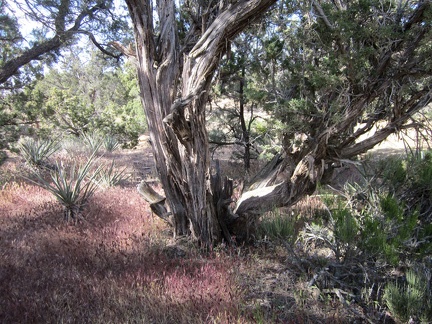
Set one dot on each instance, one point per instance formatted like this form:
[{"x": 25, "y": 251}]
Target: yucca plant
[
  {"x": 110, "y": 143},
  {"x": 110, "y": 177},
  {"x": 72, "y": 186},
  {"x": 36, "y": 152},
  {"x": 93, "y": 140}
]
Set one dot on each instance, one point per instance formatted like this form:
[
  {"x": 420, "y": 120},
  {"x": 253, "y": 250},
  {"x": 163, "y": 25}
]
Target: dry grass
[
  {"x": 111, "y": 267},
  {"x": 118, "y": 264}
]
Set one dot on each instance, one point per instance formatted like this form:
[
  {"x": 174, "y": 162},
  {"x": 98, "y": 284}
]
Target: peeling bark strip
[
  {"x": 156, "y": 201},
  {"x": 177, "y": 120}
]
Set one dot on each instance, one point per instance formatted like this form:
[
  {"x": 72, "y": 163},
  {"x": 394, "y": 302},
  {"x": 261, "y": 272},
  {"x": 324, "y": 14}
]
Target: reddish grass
[
  {"x": 116, "y": 265},
  {"x": 110, "y": 267}
]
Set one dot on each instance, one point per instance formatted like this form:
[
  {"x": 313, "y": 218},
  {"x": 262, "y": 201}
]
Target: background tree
[
  {"x": 234, "y": 111},
  {"x": 78, "y": 96},
  {"x": 57, "y": 24},
  {"x": 336, "y": 82},
  {"x": 32, "y": 35},
  {"x": 93, "y": 95}
]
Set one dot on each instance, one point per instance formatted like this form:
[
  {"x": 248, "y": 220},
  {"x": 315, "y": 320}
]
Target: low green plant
[
  {"x": 278, "y": 226},
  {"x": 93, "y": 140},
  {"x": 3, "y": 157},
  {"x": 110, "y": 143},
  {"x": 411, "y": 300},
  {"x": 110, "y": 177},
  {"x": 370, "y": 224},
  {"x": 72, "y": 186},
  {"x": 338, "y": 229},
  {"x": 36, "y": 152}
]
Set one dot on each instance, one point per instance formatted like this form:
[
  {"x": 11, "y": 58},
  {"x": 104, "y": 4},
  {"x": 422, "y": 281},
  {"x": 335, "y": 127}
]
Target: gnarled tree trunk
[
  {"x": 174, "y": 80},
  {"x": 175, "y": 77}
]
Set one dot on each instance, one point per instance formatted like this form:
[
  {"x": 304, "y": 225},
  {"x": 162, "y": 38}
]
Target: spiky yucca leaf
[
  {"x": 71, "y": 186},
  {"x": 35, "y": 152},
  {"x": 110, "y": 143},
  {"x": 93, "y": 140},
  {"x": 110, "y": 177}
]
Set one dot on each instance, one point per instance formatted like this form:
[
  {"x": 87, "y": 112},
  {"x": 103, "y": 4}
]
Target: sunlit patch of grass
[{"x": 19, "y": 198}]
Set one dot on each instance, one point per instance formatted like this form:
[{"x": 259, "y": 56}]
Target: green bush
[
  {"x": 365, "y": 224},
  {"x": 339, "y": 232},
  {"x": 411, "y": 300},
  {"x": 278, "y": 226}
]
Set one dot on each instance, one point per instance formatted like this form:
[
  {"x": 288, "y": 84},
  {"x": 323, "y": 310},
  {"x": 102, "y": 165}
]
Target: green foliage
[
  {"x": 345, "y": 230},
  {"x": 110, "y": 177},
  {"x": 36, "y": 152},
  {"x": 110, "y": 143},
  {"x": 313, "y": 62},
  {"x": 3, "y": 157},
  {"x": 74, "y": 98},
  {"x": 373, "y": 226},
  {"x": 387, "y": 234},
  {"x": 71, "y": 185},
  {"x": 411, "y": 300},
  {"x": 409, "y": 181},
  {"x": 339, "y": 232},
  {"x": 278, "y": 226}
]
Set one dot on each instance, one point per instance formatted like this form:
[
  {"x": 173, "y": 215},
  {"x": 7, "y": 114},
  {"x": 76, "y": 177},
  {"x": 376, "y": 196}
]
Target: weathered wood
[
  {"x": 176, "y": 110},
  {"x": 267, "y": 175},
  {"x": 222, "y": 198},
  {"x": 156, "y": 201}
]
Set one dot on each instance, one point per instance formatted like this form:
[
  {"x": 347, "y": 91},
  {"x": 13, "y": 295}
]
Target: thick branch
[
  {"x": 61, "y": 37},
  {"x": 99, "y": 46}
]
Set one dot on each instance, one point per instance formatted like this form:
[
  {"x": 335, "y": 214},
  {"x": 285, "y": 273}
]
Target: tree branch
[{"x": 61, "y": 37}]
